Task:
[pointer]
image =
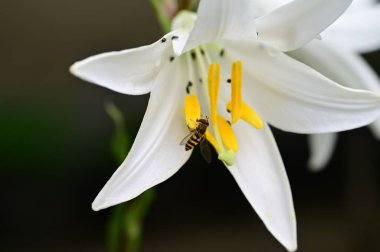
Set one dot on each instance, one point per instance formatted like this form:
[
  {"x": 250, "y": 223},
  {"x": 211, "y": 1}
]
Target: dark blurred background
[{"x": 55, "y": 150}]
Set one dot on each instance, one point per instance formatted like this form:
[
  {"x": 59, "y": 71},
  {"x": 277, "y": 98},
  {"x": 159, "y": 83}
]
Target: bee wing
[
  {"x": 205, "y": 150},
  {"x": 186, "y": 138}
]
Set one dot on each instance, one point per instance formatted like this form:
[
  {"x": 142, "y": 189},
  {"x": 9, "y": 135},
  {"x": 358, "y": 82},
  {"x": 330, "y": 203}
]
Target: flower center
[{"x": 220, "y": 132}]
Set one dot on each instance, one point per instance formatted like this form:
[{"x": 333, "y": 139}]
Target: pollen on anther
[
  {"x": 175, "y": 37},
  {"x": 192, "y": 111},
  {"x": 163, "y": 40}
]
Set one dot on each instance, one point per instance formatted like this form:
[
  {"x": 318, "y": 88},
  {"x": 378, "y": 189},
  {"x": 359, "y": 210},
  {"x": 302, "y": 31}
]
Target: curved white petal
[
  {"x": 131, "y": 71},
  {"x": 294, "y": 97},
  {"x": 265, "y": 6},
  {"x": 321, "y": 149},
  {"x": 360, "y": 4},
  {"x": 156, "y": 154},
  {"x": 260, "y": 173},
  {"x": 343, "y": 66},
  {"x": 298, "y": 22},
  {"x": 339, "y": 64},
  {"x": 221, "y": 19},
  {"x": 358, "y": 30}
]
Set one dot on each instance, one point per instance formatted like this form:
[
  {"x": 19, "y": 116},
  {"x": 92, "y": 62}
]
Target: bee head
[{"x": 203, "y": 121}]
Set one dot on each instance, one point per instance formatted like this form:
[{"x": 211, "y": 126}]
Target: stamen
[
  {"x": 228, "y": 136},
  {"x": 192, "y": 111},
  {"x": 236, "y": 86},
  {"x": 210, "y": 138},
  {"x": 249, "y": 115},
  {"x": 226, "y": 156},
  {"x": 213, "y": 89}
]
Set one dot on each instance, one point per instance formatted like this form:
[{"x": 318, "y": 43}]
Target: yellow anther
[
  {"x": 213, "y": 89},
  {"x": 227, "y": 134},
  {"x": 210, "y": 138},
  {"x": 236, "y": 86},
  {"x": 249, "y": 115},
  {"x": 192, "y": 111}
]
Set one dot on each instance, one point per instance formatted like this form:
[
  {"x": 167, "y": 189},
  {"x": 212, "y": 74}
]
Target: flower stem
[
  {"x": 126, "y": 223},
  {"x": 163, "y": 16}
]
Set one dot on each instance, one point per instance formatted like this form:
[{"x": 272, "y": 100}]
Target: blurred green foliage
[{"x": 125, "y": 226}]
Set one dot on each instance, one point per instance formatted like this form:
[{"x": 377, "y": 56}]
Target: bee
[{"x": 197, "y": 136}]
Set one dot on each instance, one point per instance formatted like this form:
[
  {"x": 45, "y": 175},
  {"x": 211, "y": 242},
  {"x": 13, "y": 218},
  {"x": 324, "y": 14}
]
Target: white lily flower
[
  {"x": 190, "y": 68},
  {"x": 337, "y": 57}
]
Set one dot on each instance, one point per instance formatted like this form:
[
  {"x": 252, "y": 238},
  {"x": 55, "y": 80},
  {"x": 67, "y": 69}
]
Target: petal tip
[
  {"x": 292, "y": 248},
  {"x": 289, "y": 241},
  {"x": 96, "y": 206},
  {"x": 74, "y": 69},
  {"x": 314, "y": 167}
]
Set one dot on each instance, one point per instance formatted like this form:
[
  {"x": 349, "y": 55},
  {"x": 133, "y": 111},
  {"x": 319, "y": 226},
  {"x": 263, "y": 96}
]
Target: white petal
[
  {"x": 294, "y": 97},
  {"x": 298, "y": 22},
  {"x": 261, "y": 175},
  {"x": 131, "y": 71},
  {"x": 339, "y": 64},
  {"x": 358, "y": 4},
  {"x": 358, "y": 30},
  {"x": 156, "y": 154},
  {"x": 222, "y": 19},
  {"x": 321, "y": 149},
  {"x": 265, "y": 6}
]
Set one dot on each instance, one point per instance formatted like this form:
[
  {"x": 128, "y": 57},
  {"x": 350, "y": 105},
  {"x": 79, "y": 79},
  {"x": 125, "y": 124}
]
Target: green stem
[
  {"x": 163, "y": 18},
  {"x": 125, "y": 225}
]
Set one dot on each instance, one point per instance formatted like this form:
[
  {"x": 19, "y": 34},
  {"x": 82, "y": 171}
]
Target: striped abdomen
[{"x": 194, "y": 140}]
